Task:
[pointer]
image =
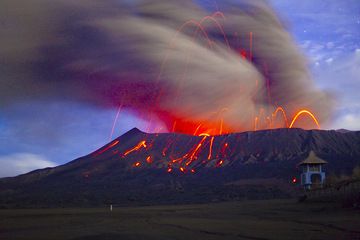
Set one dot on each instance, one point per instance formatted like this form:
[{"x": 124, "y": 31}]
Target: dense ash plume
[{"x": 141, "y": 55}]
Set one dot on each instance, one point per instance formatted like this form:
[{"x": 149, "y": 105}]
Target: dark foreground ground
[{"x": 273, "y": 219}]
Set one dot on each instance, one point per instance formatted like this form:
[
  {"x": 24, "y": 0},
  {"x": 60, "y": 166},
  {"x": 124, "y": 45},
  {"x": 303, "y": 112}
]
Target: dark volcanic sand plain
[{"x": 263, "y": 219}]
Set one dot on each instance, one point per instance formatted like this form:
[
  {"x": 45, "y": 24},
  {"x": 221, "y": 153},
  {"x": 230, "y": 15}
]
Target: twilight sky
[{"x": 38, "y": 132}]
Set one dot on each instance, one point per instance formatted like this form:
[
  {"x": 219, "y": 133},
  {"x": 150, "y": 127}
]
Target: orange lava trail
[
  {"x": 171, "y": 44},
  {"x": 197, "y": 129},
  {"x": 107, "y": 148},
  {"x": 219, "y": 27},
  {"x": 197, "y": 24},
  {"x": 226, "y": 145},
  {"x": 166, "y": 148},
  {"x": 190, "y": 22},
  {"x": 251, "y": 42},
  {"x": 221, "y": 126},
  {"x": 210, "y": 149},
  {"x": 220, "y": 14},
  {"x": 267, "y": 83},
  {"x": 179, "y": 159},
  {"x": 173, "y": 128},
  {"x": 193, "y": 155},
  {"x": 200, "y": 28},
  {"x": 255, "y": 123},
  {"x": 196, "y": 149},
  {"x": 149, "y": 160},
  {"x": 164, "y": 152},
  {"x": 304, "y": 111},
  {"x": 141, "y": 144}
]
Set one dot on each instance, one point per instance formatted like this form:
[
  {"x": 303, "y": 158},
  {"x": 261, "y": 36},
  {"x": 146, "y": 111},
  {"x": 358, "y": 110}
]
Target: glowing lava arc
[
  {"x": 197, "y": 30},
  {"x": 106, "y": 148},
  {"x": 219, "y": 14},
  {"x": 274, "y": 114},
  {"x": 219, "y": 26},
  {"x": 271, "y": 120},
  {"x": 141, "y": 144},
  {"x": 200, "y": 28},
  {"x": 304, "y": 112},
  {"x": 172, "y": 41}
]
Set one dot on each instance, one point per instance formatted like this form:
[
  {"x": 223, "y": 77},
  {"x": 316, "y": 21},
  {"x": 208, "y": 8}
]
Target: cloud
[
  {"x": 19, "y": 163},
  {"x": 330, "y": 45},
  {"x": 343, "y": 78},
  {"x": 343, "y": 75},
  {"x": 329, "y": 60},
  {"x": 350, "y": 121}
]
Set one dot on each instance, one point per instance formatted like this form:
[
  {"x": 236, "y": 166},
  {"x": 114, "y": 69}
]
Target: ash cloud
[{"x": 108, "y": 53}]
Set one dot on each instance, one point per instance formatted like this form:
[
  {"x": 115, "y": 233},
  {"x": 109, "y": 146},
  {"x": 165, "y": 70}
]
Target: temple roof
[{"x": 312, "y": 159}]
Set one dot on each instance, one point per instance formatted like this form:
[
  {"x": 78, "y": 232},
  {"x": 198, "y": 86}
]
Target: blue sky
[
  {"x": 37, "y": 134},
  {"x": 329, "y": 34}
]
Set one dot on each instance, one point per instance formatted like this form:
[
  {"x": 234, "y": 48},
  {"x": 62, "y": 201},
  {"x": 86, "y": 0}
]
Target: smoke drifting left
[{"x": 194, "y": 70}]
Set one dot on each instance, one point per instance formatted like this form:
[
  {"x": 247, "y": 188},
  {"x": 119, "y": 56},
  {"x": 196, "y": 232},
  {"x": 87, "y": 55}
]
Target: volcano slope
[{"x": 139, "y": 168}]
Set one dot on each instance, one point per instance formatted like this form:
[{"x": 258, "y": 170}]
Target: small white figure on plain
[{"x": 111, "y": 207}]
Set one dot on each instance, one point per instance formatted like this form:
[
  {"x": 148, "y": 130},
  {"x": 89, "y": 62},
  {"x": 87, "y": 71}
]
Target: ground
[{"x": 271, "y": 219}]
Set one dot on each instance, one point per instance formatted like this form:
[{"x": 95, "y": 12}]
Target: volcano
[{"x": 139, "y": 168}]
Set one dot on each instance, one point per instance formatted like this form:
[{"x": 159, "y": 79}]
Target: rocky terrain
[{"x": 139, "y": 168}]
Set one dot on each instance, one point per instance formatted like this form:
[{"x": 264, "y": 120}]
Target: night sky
[{"x": 41, "y": 132}]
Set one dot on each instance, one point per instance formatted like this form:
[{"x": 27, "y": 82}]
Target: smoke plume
[{"x": 165, "y": 58}]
